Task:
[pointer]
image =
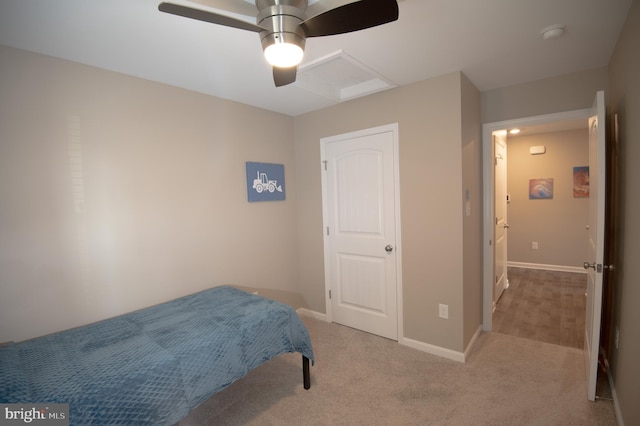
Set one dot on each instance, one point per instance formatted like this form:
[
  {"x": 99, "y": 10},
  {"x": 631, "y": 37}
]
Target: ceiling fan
[{"x": 284, "y": 26}]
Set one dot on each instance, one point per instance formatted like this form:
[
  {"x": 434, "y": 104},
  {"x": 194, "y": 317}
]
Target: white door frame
[
  {"x": 488, "y": 177},
  {"x": 325, "y": 217},
  {"x": 502, "y": 219}
]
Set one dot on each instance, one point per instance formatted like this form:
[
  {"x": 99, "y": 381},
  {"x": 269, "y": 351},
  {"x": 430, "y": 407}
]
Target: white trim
[
  {"x": 488, "y": 196},
  {"x": 433, "y": 349},
  {"x": 312, "y": 314},
  {"x": 559, "y": 268},
  {"x": 325, "y": 240},
  {"x": 467, "y": 351},
  {"x": 394, "y": 129}
]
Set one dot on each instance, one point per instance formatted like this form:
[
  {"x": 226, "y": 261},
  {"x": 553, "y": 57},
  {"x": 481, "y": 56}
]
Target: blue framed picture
[
  {"x": 265, "y": 182},
  {"x": 541, "y": 189}
]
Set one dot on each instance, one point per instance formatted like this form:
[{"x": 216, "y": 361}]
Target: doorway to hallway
[
  {"x": 595, "y": 227},
  {"x": 547, "y": 306}
]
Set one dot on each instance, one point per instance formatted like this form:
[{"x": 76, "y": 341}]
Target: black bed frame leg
[{"x": 305, "y": 372}]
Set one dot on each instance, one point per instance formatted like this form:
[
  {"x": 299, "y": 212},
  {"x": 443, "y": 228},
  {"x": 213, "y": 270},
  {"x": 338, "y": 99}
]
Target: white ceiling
[{"x": 496, "y": 43}]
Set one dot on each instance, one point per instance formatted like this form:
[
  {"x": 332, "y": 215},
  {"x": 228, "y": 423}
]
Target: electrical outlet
[
  {"x": 443, "y": 311},
  {"x": 534, "y": 245}
]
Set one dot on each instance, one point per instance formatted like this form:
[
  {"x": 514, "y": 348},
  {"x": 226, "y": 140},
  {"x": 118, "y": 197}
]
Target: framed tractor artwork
[{"x": 265, "y": 182}]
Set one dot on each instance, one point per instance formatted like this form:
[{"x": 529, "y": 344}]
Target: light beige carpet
[{"x": 361, "y": 379}]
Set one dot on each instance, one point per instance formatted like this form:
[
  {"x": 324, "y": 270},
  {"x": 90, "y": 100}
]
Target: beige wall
[
  {"x": 118, "y": 193},
  {"x": 124, "y": 193},
  {"x": 558, "y": 94},
  {"x": 558, "y": 225},
  {"x": 471, "y": 205},
  {"x": 624, "y": 99},
  {"x": 429, "y": 114}
]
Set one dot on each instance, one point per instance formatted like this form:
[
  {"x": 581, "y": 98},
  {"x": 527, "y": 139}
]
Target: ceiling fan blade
[
  {"x": 202, "y": 15},
  {"x": 235, "y": 6},
  {"x": 284, "y": 76},
  {"x": 350, "y": 17},
  {"x": 318, "y": 7}
]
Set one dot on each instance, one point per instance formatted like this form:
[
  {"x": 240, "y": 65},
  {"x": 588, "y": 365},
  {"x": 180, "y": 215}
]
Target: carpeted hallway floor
[{"x": 361, "y": 379}]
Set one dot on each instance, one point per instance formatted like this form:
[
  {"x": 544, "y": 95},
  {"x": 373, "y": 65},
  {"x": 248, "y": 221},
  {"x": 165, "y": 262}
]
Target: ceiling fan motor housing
[{"x": 281, "y": 20}]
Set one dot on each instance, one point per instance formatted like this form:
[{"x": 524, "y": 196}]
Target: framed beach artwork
[
  {"x": 541, "y": 189},
  {"x": 581, "y": 182}
]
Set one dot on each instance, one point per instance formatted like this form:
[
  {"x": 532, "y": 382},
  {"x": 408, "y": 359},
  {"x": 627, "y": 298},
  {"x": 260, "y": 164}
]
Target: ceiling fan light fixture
[
  {"x": 283, "y": 54},
  {"x": 283, "y": 39}
]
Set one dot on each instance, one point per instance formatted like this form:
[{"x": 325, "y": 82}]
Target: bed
[{"x": 155, "y": 365}]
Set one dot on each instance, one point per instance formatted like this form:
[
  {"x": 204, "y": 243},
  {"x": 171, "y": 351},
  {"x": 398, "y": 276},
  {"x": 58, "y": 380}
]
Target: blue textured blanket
[{"x": 155, "y": 365}]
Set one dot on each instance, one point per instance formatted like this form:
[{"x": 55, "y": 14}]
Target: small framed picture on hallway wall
[
  {"x": 541, "y": 189},
  {"x": 581, "y": 182}
]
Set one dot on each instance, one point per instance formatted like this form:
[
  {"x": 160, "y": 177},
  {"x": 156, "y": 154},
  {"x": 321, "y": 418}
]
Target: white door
[
  {"x": 596, "y": 242},
  {"x": 501, "y": 224},
  {"x": 361, "y": 239}
]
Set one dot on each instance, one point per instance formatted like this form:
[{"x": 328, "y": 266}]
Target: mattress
[{"x": 155, "y": 365}]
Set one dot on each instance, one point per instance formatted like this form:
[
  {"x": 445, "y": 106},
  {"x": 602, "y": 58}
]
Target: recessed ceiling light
[
  {"x": 552, "y": 31},
  {"x": 514, "y": 131}
]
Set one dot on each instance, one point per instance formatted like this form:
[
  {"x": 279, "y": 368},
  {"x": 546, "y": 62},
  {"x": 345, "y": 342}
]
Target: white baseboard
[
  {"x": 415, "y": 344},
  {"x": 433, "y": 350},
  {"x": 472, "y": 342},
  {"x": 559, "y": 268},
  {"x": 312, "y": 314}
]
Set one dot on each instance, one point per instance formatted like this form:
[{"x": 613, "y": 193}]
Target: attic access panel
[{"x": 340, "y": 77}]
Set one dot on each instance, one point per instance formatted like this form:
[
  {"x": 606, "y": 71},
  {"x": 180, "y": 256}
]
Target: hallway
[{"x": 547, "y": 306}]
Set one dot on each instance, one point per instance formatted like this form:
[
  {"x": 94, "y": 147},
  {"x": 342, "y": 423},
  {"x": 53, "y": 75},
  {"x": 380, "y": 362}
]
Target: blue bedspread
[{"x": 155, "y": 365}]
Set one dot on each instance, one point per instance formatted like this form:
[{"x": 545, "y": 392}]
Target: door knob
[
  {"x": 388, "y": 248},
  {"x": 506, "y": 226},
  {"x": 595, "y": 266}
]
